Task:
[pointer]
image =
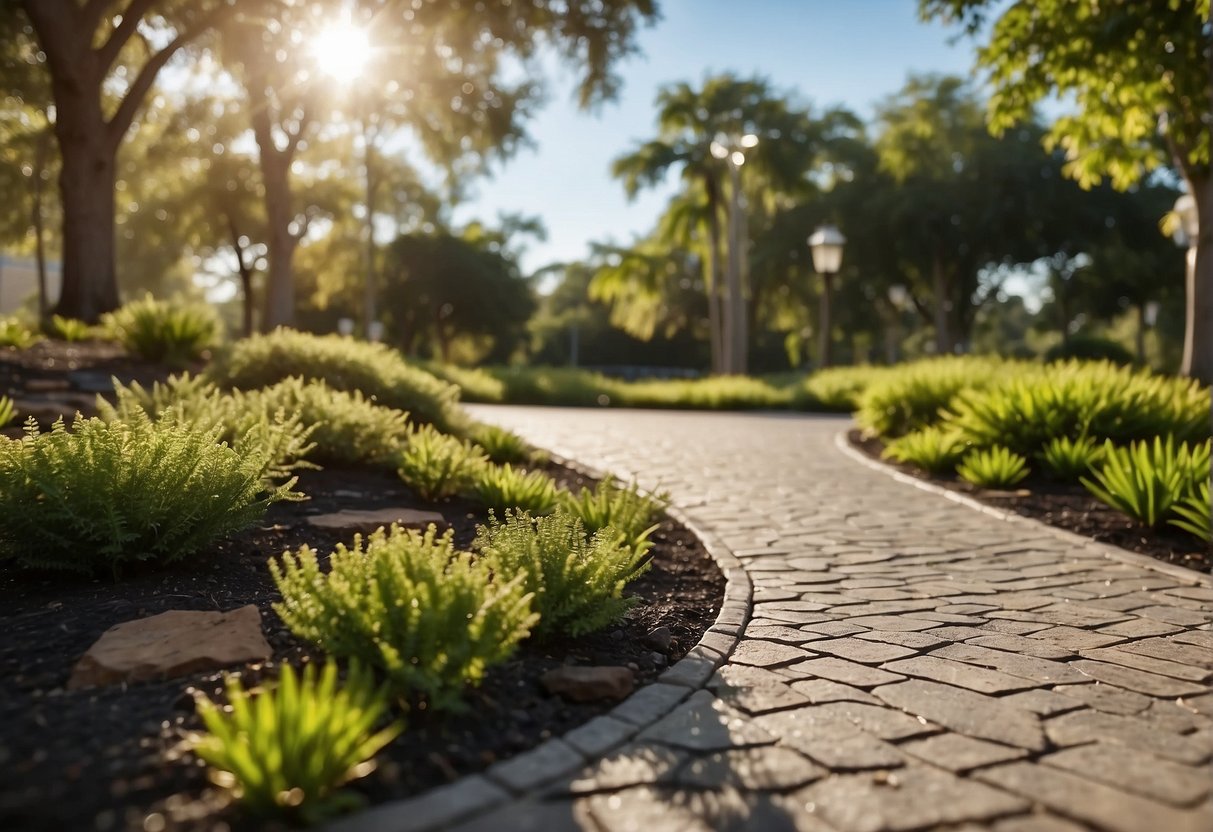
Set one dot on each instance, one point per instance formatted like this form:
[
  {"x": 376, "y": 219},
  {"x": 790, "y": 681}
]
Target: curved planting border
[
  {"x": 1107, "y": 550},
  {"x": 534, "y": 771}
]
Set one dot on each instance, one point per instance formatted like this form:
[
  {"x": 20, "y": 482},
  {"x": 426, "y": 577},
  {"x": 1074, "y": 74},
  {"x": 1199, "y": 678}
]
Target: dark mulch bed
[
  {"x": 108, "y": 759},
  {"x": 1066, "y": 506}
]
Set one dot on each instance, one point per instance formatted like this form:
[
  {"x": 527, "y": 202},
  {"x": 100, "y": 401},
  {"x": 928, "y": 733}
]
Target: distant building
[{"x": 19, "y": 282}]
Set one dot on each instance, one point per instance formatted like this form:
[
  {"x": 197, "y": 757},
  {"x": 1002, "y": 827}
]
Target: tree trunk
[
  {"x": 733, "y": 305},
  {"x": 1141, "y": 334},
  {"x": 245, "y": 269},
  {"x": 38, "y": 221},
  {"x": 942, "y": 307},
  {"x": 280, "y": 245},
  {"x": 713, "y": 277},
  {"x": 1198, "y": 332},
  {"x": 741, "y": 330}
]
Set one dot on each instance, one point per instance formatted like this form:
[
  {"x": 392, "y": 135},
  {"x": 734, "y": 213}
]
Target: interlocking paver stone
[
  {"x": 1138, "y": 680},
  {"x": 1029, "y": 667},
  {"x": 848, "y": 673},
  {"x": 959, "y": 673},
  {"x": 757, "y": 769},
  {"x": 966, "y": 712},
  {"x": 1135, "y": 771},
  {"x": 704, "y": 723},
  {"x": 1083, "y": 727},
  {"x": 860, "y": 650},
  {"x": 956, "y": 752},
  {"x": 766, "y": 653},
  {"x": 754, "y": 690}
]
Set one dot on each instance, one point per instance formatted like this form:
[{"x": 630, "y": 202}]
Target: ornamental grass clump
[
  {"x": 287, "y": 750},
  {"x": 916, "y": 395},
  {"x": 500, "y": 487},
  {"x": 1192, "y": 514},
  {"x": 163, "y": 331},
  {"x": 1146, "y": 480},
  {"x": 500, "y": 444},
  {"x": 577, "y": 582},
  {"x": 7, "y": 411},
  {"x": 437, "y": 465},
  {"x": 106, "y": 495},
  {"x": 430, "y": 618},
  {"x": 932, "y": 448},
  {"x": 71, "y": 330},
  {"x": 625, "y": 509},
  {"x": 993, "y": 468},
  {"x": 1069, "y": 459}
]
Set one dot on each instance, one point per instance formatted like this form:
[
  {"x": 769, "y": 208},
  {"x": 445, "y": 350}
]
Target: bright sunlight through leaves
[{"x": 342, "y": 51}]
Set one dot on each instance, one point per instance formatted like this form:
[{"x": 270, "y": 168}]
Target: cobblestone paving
[{"x": 909, "y": 663}]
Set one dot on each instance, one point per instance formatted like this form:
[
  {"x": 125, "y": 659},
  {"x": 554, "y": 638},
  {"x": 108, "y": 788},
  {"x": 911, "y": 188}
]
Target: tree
[{"x": 1134, "y": 72}]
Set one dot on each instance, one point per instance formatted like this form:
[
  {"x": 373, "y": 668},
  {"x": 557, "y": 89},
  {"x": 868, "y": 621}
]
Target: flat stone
[
  {"x": 1150, "y": 664},
  {"x": 833, "y": 628},
  {"x": 754, "y": 690},
  {"x": 1102, "y": 806},
  {"x": 1022, "y": 644},
  {"x": 703, "y": 723},
  {"x": 830, "y": 739},
  {"x": 438, "y": 807},
  {"x": 171, "y": 644},
  {"x": 1137, "y": 772},
  {"x": 762, "y": 769},
  {"x": 891, "y": 622},
  {"x": 1107, "y": 698},
  {"x": 1038, "y": 822},
  {"x": 1087, "y": 726},
  {"x": 766, "y": 653},
  {"x": 599, "y": 735},
  {"x": 860, "y": 650},
  {"x": 819, "y": 691},
  {"x": 649, "y": 703},
  {"x": 589, "y": 684},
  {"x": 959, "y": 673},
  {"x": 916, "y": 797},
  {"x": 848, "y": 673},
  {"x": 1139, "y": 628},
  {"x": 1177, "y": 616},
  {"x": 1201, "y": 638},
  {"x": 1027, "y": 667},
  {"x": 659, "y": 809},
  {"x": 1045, "y": 703},
  {"x": 967, "y": 713},
  {"x": 786, "y": 635},
  {"x": 632, "y": 765},
  {"x": 1138, "y": 680},
  {"x": 530, "y": 815},
  {"x": 877, "y": 720},
  {"x": 1172, "y": 650},
  {"x": 959, "y": 753},
  {"x": 1074, "y": 639},
  {"x": 910, "y": 639},
  {"x": 371, "y": 519},
  {"x": 537, "y": 767}
]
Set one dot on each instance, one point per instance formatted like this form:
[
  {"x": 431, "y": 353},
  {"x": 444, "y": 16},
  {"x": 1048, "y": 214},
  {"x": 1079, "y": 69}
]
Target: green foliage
[
  {"x": 286, "y": 751},
  {"x": 1068, "y": 459},
  {"x": 842, "y": 388},
  {"x": 933, "y": 449},
  {"x": 7, "y": 411},
  {"x": 13, "y": 333},
  {"x": 577, "y": 583},
  {"x": 1090, "y": 349},
  {"x": 437, "y": 465},
  {"x": 107, "y": 494},
  {"x": 475, "y": 384},
  {"x": 626, "y": 510},
  {"x": 500, "y": 444},
  {"x": 1146, "y": 480},
  {"x": 169, "y": 332},
  {"x": 504, "y": 487},
  {"x": 914, "y": 397},
  {"x": 1193, "y": 513},
  {"x": 71, "y": 330},
  {"x": 430, "y": 617},
  {"x": 379, "y": 372},
  {"x": 993, "y": 467}
]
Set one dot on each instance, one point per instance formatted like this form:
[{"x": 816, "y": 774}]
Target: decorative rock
[
  {"x": 372, "y": 519},
  {"x": 174, "y": 643},
  {"x": 589, "y": 684},
  {"x": 660, "y": 639}
]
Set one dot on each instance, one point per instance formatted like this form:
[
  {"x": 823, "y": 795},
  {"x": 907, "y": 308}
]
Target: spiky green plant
[
  {"x": 13, "y": 333},
  {"x": 7, "y": 411},
  {"x": 917, "y": 394},
  {"x": 1147, "y": 479},
  {"x": 631, "y": 513},
  {"x": 105, "y": 495},
  {"x": 1067, "y": 458},
  {"x": 503, "y": 486},
  {"x": 1192, "y": 513},
  {"x": 578, "y": 583},
  {"x": 170, "y": 332},
  {"x": 933, "y": 449},
  {"x": 71, "y": 330},
  {"x": 993, "y": 467},
  {"x": 431, "y": 618},
  {"x": 437, "y": 465},
  {"x": 501, "y": 445},
  {"x": 287, "y": 750}
]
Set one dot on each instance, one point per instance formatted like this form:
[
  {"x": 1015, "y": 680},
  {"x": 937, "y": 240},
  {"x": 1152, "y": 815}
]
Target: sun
[{"x": 341, "y": 51}]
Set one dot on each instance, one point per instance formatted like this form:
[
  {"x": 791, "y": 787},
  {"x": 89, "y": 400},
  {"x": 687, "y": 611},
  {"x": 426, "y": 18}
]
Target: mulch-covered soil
[
  {"x": 1067, "y": 506},
  {"x": 110, "y": 758}
]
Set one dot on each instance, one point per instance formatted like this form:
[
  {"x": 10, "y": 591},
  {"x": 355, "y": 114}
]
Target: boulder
[
  {"x": 369, "y": 520},
  {"x": 173, "y": 643},
  {"x": 589, "y": 684}
]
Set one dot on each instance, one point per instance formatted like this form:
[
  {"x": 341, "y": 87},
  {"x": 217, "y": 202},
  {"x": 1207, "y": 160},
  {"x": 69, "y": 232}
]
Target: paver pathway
[{"x": 910, "y": 663}]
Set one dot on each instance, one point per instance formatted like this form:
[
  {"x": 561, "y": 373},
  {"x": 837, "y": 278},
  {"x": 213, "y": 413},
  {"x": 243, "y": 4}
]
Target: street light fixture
[{"x": 826, "y": 245}]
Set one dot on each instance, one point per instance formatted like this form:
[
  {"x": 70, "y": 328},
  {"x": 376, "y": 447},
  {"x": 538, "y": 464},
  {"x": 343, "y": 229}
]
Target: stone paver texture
[{"x": 909, "y": 663}]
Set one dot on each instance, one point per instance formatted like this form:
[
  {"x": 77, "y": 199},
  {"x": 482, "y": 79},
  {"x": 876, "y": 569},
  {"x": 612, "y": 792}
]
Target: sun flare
[{"x": 342, "y": 51}]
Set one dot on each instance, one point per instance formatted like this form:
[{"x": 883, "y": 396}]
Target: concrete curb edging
[
  {"x": 535, "y": 771},
  {"x": 1106, "y": 550}
]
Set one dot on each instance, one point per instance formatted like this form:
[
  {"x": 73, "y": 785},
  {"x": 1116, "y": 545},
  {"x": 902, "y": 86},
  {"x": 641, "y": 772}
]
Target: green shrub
[
  {"x": 1090, "y": 349},
  {"x": 933, "y": 449},
  {"x": 287, "y": 750},
  {"x": 841, "y": 388},
  {"x": 378, "y": 371},
  {"x": 502, "y": 486},
  {"x": 68, "y": 329},
  {"x": 163, "y": 331},
  {"x": 1193, "y": 513},
  {"x": 993, "y": 468},
  {"x": 628, "y": 511},
  {"x": 1147, "y": 479},
  {"x": 13, "y": 333},
  {"x": 430, "y": 617},
  {"x": 500, "y": 444},
  {"x": 7, "y": 411},
  {"x": 577, "y": 583},
  {"x": 1068, "y": 459},
  {"x": 436, "y": 465},
  {"x": 107, "y": 494},
  {"x": 475, "y": 385},
  {"x": 916, "y": 395}
]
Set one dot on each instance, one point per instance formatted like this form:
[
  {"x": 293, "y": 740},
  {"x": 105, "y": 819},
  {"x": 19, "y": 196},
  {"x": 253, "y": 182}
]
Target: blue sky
[{"x": 849, "y": 52}]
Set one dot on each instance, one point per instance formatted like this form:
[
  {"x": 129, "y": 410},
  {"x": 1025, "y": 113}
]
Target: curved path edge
[
  {"x": 534, "y": 771},
  {"x": 1106, "y": 550}
]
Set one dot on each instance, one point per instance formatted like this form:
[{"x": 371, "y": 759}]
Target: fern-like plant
[
  {"x": 108, "y": 494},
  {"x": 71, "y": 330},
  {"x": 15, "y": 334},
  {"x": 502, "y": 486},
  {"x": 993, "y": 468},
  {"x": 501, "y": 445},
  {"x": 7, "y": 411},
  {"x": 578, "y": 583},
  {"x": 631, "y": 513},
  {"x": 1068, "y": 459},
  {"x": 406, "y": 602},
  {"x": 437, "y": 465},
  {"x": 286, "y": 751},
  {"x": 156, "y": 330},
  {"x": 1147, "y": 479},
  {"x": 1193, "y": 514},
  {"x": 932, "y": 448}
]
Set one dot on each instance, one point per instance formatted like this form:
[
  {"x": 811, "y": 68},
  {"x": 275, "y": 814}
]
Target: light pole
[
  {"x": 732, "y": 149},
  {"x": 1186, "y": 235},
  {"x": 826, "y": 245}
]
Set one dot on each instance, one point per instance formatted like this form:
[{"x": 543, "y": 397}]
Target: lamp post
[
  {"x": 826, "y": 245},
  {"x": 732, "y": 149},
  {"x": 1185, "y": 236}
]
